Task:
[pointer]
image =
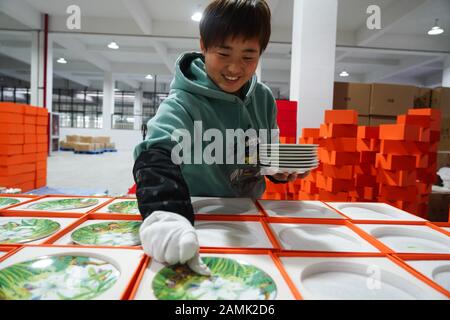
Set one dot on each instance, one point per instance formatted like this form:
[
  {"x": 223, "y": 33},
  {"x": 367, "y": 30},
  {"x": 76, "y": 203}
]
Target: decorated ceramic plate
[
  {"x": 63, "y": 204},
  {"x": 230, "y": 280},
  {"x": 26, "y": 230},
  {"x": 5, "y": 202},
  {"x": 127, "y": 207},
  {"x": 58, "y": 277},
  {"x": 115, "y": 233}
]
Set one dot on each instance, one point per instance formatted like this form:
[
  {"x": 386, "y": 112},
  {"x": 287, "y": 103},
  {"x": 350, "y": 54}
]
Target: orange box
[
  {"x": 367, "y": 157},
  {"x": 41, "y": 112},
  {"x": 42, "y": 147},
  {"x": 41, "y": 156},
  {"x": 407, "y": 193},
  {"x": 29, "y": 129},
  {"x": 403, "y": 147},
  {"x": 17, "y": 169},
  {"x": 395, "y": 162},
  {"x": 42, "y": 138},
  {"x": 307, "y": 197},
  {"x": 338, "y": 158},
  {"x": 338, "y": 172},
  {"x": 30, "y": 139},
  {"x": 308, "y": 141},
  {"x": 366, "y": 169},
  {"x": 424, "y": 135},
  {"x": 435, "y": 136},
  {"x": 399, "y": 178},
  {"x": 399, "y": 132},
  {"x": 310, "y": 133},
  {"x": 332, "y": 130},
  {"x": 334, "y": 185},
  {"x": 424, "y": 188},
  {"x": 41, "y": 130},
  {"x": 309, "y": 187},
  {"x": 41, "y": 165},
  {"x": 11, "y": 129},
  {"x": 435, "y": 114},
  {"x": 15, "y": 118},
  {"x": 17, "y": 159},
  {"x": 29, "y": 110},
  {"x": 29, "y": 119},
  {"x": 432, "y": 158},
  {"x": 366, "y": 132},
  {"x": 368, "y": 145},
  {"x": 330, "y": 196},
  {"x": 8, "y": 150},
  {"x": 42, "y": 121},
  {"x": 426, "y": 176},
  {"x": 30, "y": 148},
  {"x": 339, "y": 144},
  {"x": 13, "y": 180},
  {"x": 365, "y": 180},
  {"x": 40, "y": 183},
  {"x": 41, "y": 174},
  {"x": 25, "y": 186},
  {"x": 341, "y": 116},
  {"x": 421, "y": 161},
  {"x": 11, "y": 139},
  {"x": 10, "y": 107},
  {"x": 364, "y": 193},
  {"x": 417, "y": 120}
]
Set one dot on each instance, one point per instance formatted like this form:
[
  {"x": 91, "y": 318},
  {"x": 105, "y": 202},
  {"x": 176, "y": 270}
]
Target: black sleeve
[
  {"x": 160, "y": 185},
  {"x": 273, "y": 180}
]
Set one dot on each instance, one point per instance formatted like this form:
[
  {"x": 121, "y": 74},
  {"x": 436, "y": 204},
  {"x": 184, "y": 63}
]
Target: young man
[{"x": 218, "y": 89}]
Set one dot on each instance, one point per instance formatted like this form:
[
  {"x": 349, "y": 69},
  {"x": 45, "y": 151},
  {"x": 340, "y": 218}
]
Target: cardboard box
[
  {"x": 391, "y": 99},
  {"x": 378, "y": 120},
  {"x": 81, "y": 146},
  {"x": 73, "y": 138},
  {"x": 87, "y": 139},
  {"x": 354, "y": 96},
  {"x": 422, "y": 98},
  {"x": 440, "y": 99},
  {"x": 363, "y": 120}
]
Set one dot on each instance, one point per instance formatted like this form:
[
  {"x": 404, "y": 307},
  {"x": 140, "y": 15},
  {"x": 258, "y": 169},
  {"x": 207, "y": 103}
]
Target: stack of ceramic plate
[{"x": 289, "y": 158}]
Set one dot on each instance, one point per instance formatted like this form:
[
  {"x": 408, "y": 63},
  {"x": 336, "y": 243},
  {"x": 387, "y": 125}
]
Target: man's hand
[{"x": 289, "y": 177}]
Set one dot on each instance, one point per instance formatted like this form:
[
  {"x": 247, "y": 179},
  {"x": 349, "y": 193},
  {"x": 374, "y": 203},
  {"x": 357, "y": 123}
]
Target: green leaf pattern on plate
[
  {"x": 64, "y": 204},
  {"x": 27, "y": 230},
  {"x": 61, "y": 277},
  {"x": 230, "y": 280},
  {"x": 5, "y": 202},
  {"x": 127, "y": 207},
  {"x": 116, "y": 233}
]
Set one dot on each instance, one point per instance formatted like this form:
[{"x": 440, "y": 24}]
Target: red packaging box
[
  {"x": 399, "y": 132},
  {"x": 368, "y": 145},
  {"x": 310, "y": 133},
  {"x": 308, "y": 141},
  {"x": 10, "y": 107},
  {"x": 365, "y": 132},
  {"x": 364, "y": 193},
  {"x": 338, "y": 172},
  {"x": 426, "y": 176},
  {"x": 334, "y": 185},
  {"x": 9, "y": 150},
  {"x": 332, "y": 130},
  {"x": 29, "y": 110},
  {"x": 330, "y": 196},
  {"x": 341, "y": 116},
  {"x": 435, "y": 114},
  {"x": 29, "y": 129},
  {"x": 366, "y": 169},
  {"x": 367, "y": 157},
  {"x": 309, "y": 187},
  {"x": 17, "y": 159},
  {"x": 11, "y": 118},
  {"x": 365, "y": 181},
  {"x": 403, "y": 147},
  {"x": 17, "y": 169},
  {"x": 30, "y": 148},
  {"x": 41, "y": 130},
  {"x": 11, "y": 139},
  {"x": 435, "y": 136},
  {"x": 25, "y": 186},
  {"x": 422, "y": 161},
  {"x": 41, "y": 174},
  {"x": 408, "y": 193},
  {"x": 397, "y": 178},
  {"x": 31, "y": 120},
  {"x": 13, "y": 180},
  {"x": 42, "y": 121},
  {"x": 395, "y": 162},
  {"x": 8, "y": 128},
  {"x": 30, "y": 139},
  {"x": 339, "y": 144},
  {"x": 417, "y": 120},
  {"x": 339, "y": 158}
]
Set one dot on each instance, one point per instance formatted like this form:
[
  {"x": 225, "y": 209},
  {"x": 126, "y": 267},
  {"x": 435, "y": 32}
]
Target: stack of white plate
[{"x": 288, "y": 158}]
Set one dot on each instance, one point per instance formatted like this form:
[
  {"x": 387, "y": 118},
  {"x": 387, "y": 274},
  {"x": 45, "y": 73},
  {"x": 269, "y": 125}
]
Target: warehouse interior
[{"x": 101, "y": 68}]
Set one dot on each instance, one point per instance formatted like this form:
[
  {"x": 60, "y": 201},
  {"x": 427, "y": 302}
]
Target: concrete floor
[{"x": 110, "y": 171}]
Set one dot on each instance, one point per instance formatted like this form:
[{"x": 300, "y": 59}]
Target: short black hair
[{"x": 236, "y": 18}]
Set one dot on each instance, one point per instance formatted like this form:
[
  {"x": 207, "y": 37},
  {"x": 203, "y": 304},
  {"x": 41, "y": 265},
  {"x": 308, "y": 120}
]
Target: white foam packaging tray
[
  {"x": 299, "y": 209},
  {"x": 373, "y": 211},
  {"x": 264, "y": 262},
  {"x": 345, "y": 278},
  {"x": 436, "y": 270},
  {"x": 66, "y": 239},
  {"x": 64, "y": 222},
  {"x": 224, "y": 206},
  {"x": 81, "y": 210},
  {"x": 237, "y": 234},
  {"x": 320, "y": 237},
  {"x": 21, "y": 199},
  {"x": 105, "y": 209},
  {"x": 409, "y": 238},
  {"x": 447, "y": 229},
  {"x": 126, "y": 261}
]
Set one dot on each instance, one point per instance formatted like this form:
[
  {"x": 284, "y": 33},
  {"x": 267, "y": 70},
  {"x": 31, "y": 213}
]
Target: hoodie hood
[{"x": 191, "y": 76}]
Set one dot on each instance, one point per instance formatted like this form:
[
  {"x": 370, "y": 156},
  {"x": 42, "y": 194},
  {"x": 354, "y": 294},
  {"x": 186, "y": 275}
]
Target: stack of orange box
[
  {"x": 275, "y": 191},
  {"x": 306, "y": 189},
  {"x": 403, "y": 151},
  {"x": 23, "y": 146},
  {"x": 338, "y": 154},
  {"x": 368, "y": 145}
]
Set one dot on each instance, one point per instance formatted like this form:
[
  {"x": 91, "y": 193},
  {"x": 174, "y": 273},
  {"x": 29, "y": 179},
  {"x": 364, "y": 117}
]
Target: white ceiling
[{"x": 152, "y": 34}]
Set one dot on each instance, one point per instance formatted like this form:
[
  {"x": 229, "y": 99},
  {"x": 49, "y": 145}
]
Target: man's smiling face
[{"x": 232, "y": 64}]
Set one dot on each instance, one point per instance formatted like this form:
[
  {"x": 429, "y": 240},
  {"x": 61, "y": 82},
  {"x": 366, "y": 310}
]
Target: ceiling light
[
  {"x": 61, "y": 60},
  {"x": 344, "y": 74},
  {"x": 113, "y": 46},
  {"x": 436, "y": 29},
  {"x": 197, "y": 17},
  {"x": 149, "y": 77}
]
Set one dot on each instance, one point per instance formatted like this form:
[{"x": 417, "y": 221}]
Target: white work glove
[{"x": 170, "y": 238}]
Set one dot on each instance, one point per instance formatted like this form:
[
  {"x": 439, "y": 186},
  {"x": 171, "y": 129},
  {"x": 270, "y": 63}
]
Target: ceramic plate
[
  {"x": 5, "y": 202},
  {"x": 63, "y": 204},
  {"x": 268, "y": 171},
  {"x": 27, "y": 230},
  {"x": 113, "y": 233},
  {"x": 289, "y": 146},
  {"x": 57, "y": 277},
  {"x": 127, "y": 207},
  {"x": 230, "y": 280}
]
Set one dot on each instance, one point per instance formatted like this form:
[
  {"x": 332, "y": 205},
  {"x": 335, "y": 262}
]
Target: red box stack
[
  {"x": 306, "y": 189},
  {"x": 287, "y": 119},
  {"x": 23, "y": 146}
]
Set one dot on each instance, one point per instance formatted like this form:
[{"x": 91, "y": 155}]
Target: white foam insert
[
  {"x": 373, "y": 211},
  {"x": 347, "y": 278},
  {"x": 409, "y": 239},
  {"x": 320, "y": 237},
  {"x": 64, "y": 222},
  {"x": 436, "y": 270},
  {"x": 2, "y": 253},
  {"x": 239, "y": 234},
  {"x": 264, "y": 262},
  {"x": 67, "y": 240},
  {"x": 228, "y": 206},
  {"x": 81, "y": 210},
  {"x": 105, "y": 208},
  {"x": 447, "y": 229},
  {"x": 126, "y": 261},
  {"x": 299, "y": 209},
  {"x": 21, "y": 199}
]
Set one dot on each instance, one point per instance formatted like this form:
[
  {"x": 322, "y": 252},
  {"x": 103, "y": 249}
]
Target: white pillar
[
  {"x": 37, "y": 69},
  {"x": 49, "y": 95},
  {"x": 446, "y": 73},
  {"x": 259, "y": 71},
  {"x": 108, "y": 99},
  {"x": 313, "y": 60},
  {"x": 137, "y": 110}
]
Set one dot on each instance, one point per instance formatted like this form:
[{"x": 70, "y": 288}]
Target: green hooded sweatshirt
[{"x": 194, "y": 97}]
